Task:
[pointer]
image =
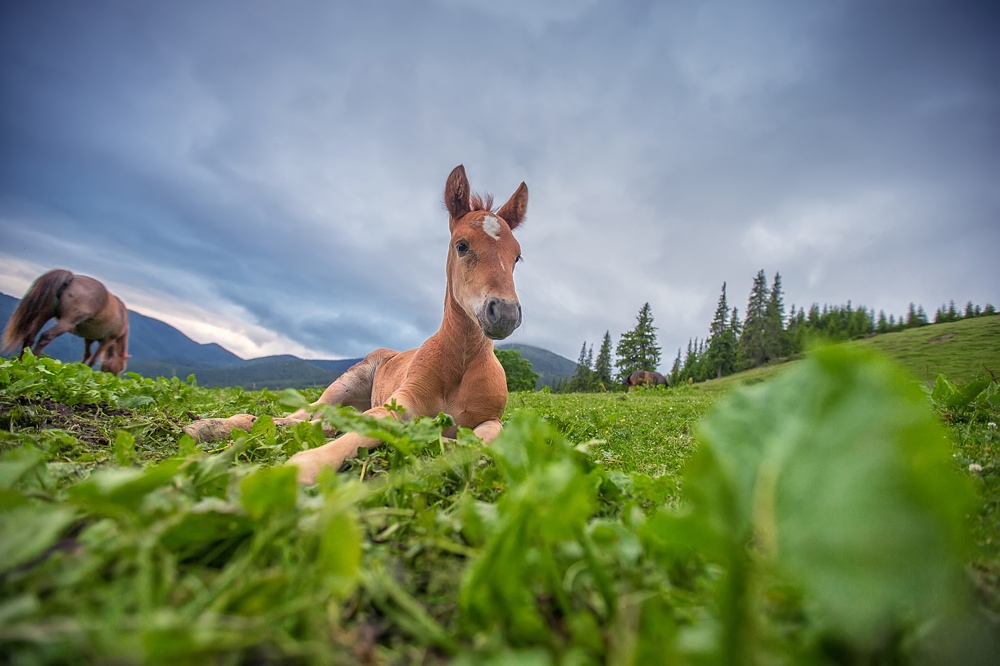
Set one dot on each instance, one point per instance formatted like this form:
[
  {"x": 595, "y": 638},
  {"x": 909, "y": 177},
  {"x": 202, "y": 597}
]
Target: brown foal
[{"x": 455, "y": 371}]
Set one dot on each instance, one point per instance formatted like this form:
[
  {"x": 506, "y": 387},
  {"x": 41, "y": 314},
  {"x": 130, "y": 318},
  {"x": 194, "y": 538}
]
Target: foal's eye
[
  {"x": 519, "y": 259},
  {"x": 461, "y": 247}
]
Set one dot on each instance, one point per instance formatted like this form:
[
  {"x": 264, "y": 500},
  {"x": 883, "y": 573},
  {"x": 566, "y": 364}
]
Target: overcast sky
[{"x": 269, "y": 175}]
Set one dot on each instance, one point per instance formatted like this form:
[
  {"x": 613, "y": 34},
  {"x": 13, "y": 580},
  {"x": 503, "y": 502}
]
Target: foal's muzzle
[{"x": 498, "y": 318}]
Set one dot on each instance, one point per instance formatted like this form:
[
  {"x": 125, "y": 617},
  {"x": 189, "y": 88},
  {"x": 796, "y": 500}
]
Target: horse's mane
[{"x": 482, "y": 202}]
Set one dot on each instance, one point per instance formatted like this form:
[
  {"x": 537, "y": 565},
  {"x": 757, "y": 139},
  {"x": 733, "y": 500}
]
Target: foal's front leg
[
  {"x": 353, "y": 388},
  {"x": 334, "y": 453},
  {"x": 488, "y": 430}
]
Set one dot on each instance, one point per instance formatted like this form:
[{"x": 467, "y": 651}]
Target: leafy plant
[{"x": 821, "y": 518}]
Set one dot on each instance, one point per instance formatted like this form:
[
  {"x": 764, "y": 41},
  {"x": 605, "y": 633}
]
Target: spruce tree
[
  {"x": 637, "y": 349},
  {"x": 883, "y": 324},
  {"x": 775, "y": 345},
  {"x": 581, "y": 380},
  {"x": 602, "y": 367},
  {"x": 721, "y": 353},
  {"x": 753, "y": 341},
  {"x": 676, "y": 369},
  {"x": 690, "y": 362}
]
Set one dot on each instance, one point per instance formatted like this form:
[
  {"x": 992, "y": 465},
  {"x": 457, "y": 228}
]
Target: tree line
[{"x": 764, "y": 335}]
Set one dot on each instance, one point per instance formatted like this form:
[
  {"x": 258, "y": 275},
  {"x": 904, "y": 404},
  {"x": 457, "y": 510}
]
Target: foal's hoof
[
  {"x": 207, "y": 430},
  {"x": 311, "y": 462},
  {"x": 307, "y": 467}
]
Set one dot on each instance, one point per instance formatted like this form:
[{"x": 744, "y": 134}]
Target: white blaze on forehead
[{"x": 492, "y": 226}]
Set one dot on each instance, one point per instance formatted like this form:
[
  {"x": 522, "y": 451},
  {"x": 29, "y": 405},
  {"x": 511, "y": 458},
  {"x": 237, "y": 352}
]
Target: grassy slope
[{"x": 960, "y": 350}]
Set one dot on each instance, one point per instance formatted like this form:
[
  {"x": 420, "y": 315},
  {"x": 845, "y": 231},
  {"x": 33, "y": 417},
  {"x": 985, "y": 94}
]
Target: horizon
[{"x": 665, "y": 359}]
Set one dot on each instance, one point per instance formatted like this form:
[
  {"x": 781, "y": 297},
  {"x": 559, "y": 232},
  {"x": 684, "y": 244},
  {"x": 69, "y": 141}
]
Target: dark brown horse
[
  {"x": 82, "y": 306},
  {"x": 645, "y": 378},
  {"x": 455, "y": 370}
]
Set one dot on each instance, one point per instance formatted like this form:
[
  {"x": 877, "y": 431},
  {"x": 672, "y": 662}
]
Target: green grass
[
  {"x": 424, "y": 551},
  {"x": 960, "y": 350}
]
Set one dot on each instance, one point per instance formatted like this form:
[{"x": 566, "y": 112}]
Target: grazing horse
[
  {"x": 455, "y": 370},
  {"x": 82, "y": 306},
  {"x": 645, "y": 378}
]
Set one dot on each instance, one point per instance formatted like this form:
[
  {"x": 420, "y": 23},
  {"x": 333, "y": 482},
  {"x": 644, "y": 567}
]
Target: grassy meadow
[{"x": 827, "y": 510}]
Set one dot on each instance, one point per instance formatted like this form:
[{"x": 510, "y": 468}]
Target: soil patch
[{"x": 83, "y": 421}]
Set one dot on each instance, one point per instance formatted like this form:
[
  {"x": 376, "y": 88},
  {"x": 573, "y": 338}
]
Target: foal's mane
[{"x": 482, "y": 202}]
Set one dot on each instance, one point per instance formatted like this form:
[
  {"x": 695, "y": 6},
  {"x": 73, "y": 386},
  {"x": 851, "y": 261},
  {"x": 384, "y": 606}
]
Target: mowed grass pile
[{"x": 829, "y": 511}]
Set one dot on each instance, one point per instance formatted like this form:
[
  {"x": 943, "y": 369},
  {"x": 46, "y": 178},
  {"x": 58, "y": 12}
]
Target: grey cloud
[{"x": 289, "y": 160}]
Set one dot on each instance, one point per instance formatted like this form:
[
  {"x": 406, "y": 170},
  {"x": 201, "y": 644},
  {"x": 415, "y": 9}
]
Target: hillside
[
  {"x": 549, "y": 365},
  {"x": 960, "y": 350}
]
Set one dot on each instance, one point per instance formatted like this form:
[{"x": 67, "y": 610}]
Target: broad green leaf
[
  {"x": 269, "y": 490},
  {"x": 15, "y": 463},
  {"x": 943, "y": 390},
  {"x": 843, "y": 477},
  {"x": 966, "y": 394},
  {"x": 209, "y": 521},
  {"x": 29, "y": 530},
  {"x": 124, "y": 448},
  {"x": 339, "y": 554},
  {"x": 119, "y": 492}
]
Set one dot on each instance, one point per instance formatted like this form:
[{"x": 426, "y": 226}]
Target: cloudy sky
[{"x": 269, "y": 175}]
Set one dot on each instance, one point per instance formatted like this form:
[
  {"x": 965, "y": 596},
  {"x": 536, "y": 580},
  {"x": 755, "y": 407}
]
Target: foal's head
[{"x": 482, "y": 255}]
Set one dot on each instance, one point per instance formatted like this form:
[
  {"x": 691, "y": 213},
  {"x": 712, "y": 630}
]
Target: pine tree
[
  {"x": 676, "y": 369},
  {"x": 721, "y": 353},
  {"x": 637, "y": 349},
  {"x": 602, "y": 367},
  {"x": 883, "y": 324},
  {"x": 921, "y": 316},
  {"x": 690, "y": 361},
  {"x": 775, "y": 344},
  {"x": 582, "y": 379},
  {"x": 952, "y": 311},
  {"x": 753, "y": 341}
]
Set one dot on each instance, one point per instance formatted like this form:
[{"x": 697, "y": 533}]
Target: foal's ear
[
  {"x": 457, "y": 193},
  {"x": 513, "y": 211}
]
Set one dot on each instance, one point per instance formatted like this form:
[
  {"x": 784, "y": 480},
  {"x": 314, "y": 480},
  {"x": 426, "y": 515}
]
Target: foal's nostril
[{"x": 498, "y": 317}]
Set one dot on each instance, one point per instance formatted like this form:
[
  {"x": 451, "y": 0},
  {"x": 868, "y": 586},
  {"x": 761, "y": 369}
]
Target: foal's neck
[{"x": 462, "y": 336}]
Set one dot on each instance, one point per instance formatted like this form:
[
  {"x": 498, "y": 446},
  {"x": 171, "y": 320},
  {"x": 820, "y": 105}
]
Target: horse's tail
[{"x": 36, "y": 308}]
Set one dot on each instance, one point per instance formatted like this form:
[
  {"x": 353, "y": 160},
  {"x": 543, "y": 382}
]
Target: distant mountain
[
  {"x": 160, "y": 350},
  {"x": 549, "y": 365}
]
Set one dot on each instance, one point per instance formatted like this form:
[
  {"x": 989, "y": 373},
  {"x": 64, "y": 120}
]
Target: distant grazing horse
[
  {"x": 455, "y": 370},
  {"x": 82, "y": 306},
  {"x": 645, "y": 378}
]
